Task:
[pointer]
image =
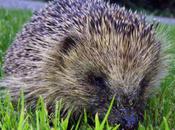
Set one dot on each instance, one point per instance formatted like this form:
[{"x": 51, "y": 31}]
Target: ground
[{"x": 159, "y": 114}]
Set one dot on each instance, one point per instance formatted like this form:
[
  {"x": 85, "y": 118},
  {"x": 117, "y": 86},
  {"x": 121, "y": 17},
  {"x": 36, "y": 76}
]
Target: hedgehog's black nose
[{"x": 129, "y": 120}]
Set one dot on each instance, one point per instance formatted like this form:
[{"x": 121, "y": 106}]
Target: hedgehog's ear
[{"x": 68, "y": 43}]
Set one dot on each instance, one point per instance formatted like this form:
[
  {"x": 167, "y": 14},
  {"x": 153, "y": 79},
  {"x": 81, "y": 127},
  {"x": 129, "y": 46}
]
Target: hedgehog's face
[{"x": 114, "y": 64}]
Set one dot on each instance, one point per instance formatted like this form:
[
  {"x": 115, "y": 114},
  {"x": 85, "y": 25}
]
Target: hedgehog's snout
[
  {"x": 126, "y": 117},
  {"x": 129, "y": 119}
]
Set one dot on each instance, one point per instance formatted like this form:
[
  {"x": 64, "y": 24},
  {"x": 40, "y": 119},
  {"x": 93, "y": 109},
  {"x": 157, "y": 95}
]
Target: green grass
[{"x": 159, "y": 114}]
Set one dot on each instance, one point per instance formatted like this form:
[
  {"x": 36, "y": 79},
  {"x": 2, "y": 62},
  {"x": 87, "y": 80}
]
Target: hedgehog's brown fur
[{"x": 85, "y": 52}]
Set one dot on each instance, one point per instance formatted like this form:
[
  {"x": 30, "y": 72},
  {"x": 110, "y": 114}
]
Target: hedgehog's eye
[
  {"x": 144, "y": 83},
  {"x": 97, "y": 80}
]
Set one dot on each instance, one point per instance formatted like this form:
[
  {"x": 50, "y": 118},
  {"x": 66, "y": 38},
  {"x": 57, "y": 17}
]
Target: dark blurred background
[{"x": 156, "y": 7}]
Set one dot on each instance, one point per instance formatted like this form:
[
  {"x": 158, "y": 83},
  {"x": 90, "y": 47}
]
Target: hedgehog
[{"x": 86, "y": 52}]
